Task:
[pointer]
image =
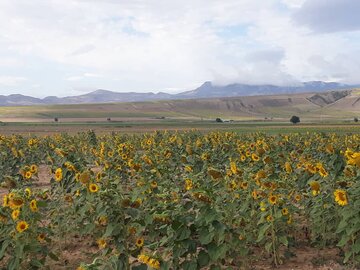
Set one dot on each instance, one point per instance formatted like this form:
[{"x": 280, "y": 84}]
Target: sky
[{"x": 71, "y": 47}]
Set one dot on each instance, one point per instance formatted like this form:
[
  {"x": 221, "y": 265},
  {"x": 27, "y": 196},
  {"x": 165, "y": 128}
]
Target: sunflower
[
  {"x": 28, "y": 175},
  {"x": 101, "y": 243},
  {"x": 244, "y": 185},
  {"x": 58, "y": 175},
  {"x": 233, "y": 167},
  {"x": 188, "y": 184},
  {"x": 315, "y": 187},
  {"x": 16, "y": 202},
  {"x": 93, "y": 188},
  {"x": 15, "y": 214},
  {"x": 254, "y": 194},
  {"x": 272, "y": 199},
  {"x": 284, "y": 211},
  {"x": 153, "y": 263},
  {"x": 255, "y": 157},
  {"x": 288, "y": 167},
  {"x": 84, "y": 178},
  {"x": 33, "y": 205},
  {"x": 262, "y": 206},
  {"x": 22, "y": 226},
  {"x": 243, "y": 158},
  {"x": 139, "y": 242},
  {"x": 99, "y": 176},
  {"x": 269, "y": 218},
  {"x": 68, "y": 198},
  {"x": 188, "y": 169},
  {"x": 33, "y": 169},
  {"x": 28, "y": 192},
  {"x": 41, "y": 237},
  {"x": 341, "y": 197},
  {"x": 153, "y": 184},
  {"x": 5, "y": 201},
  {"x": 103, "y": 220},
  {"x": 297, "y": 197},
  {"x": 3, "y": 219},
  {"x": 323, "y": 172},
  {"x": 143, "y": 258}
]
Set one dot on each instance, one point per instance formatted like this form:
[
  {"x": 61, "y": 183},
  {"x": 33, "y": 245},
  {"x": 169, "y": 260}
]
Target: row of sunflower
[{"x": 170, "y": 200}]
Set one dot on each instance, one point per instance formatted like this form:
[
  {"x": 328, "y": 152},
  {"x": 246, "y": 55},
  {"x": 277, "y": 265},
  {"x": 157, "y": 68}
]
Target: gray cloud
[
  {"x": 326, "y": 16},
  {"x": 270, "y": 56}
]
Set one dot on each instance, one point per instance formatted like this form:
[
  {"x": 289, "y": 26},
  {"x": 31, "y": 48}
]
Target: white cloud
[
  {"x": 11, "y": 80},
  {"x": 156, "y": 45}
]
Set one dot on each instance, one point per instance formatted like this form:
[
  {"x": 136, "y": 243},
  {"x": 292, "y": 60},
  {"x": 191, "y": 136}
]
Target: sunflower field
[{"x": 178, "y": 200}]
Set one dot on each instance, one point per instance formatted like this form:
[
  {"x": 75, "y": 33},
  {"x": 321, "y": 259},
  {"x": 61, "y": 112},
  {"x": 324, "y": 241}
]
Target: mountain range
[{"x": 206, "y": 90}]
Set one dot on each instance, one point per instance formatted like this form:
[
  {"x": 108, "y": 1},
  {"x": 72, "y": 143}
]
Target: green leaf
[
  {"x": 344, "y": 239},
  {"x": 347, "y": 256},
  {"x": 203, "y": 258},
  {"x": 356, "y": 246},
  {"x": 139, "y": 267},
  {"x": 205, "y": 237},
  {"x": 42, "y": 204},
  {"x": 217, "y": 251},
  {"x": 36, "y": 263},
  {"x": 268, "y": 246},
  {"x": 165, "y": 266},
  {"x": 192, "y": 265},
  {"x": 183, "y": 233},
  {"x": 4, "y": 245},
  {"x": 283, "y": 239},
  {"x": 53, "y": 256},
  {"x": 342, "y": 225},
  {"x": 109, "y": 229},
  {"x": 262, "y": 232}
]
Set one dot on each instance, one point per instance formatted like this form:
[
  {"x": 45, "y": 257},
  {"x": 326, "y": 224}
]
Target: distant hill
[
  {"x": 206, "y": 90},
  {"x": 337, "y": 105}
]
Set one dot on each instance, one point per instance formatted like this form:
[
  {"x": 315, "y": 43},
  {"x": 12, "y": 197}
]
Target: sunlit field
[{"x": 178, "y": 200}]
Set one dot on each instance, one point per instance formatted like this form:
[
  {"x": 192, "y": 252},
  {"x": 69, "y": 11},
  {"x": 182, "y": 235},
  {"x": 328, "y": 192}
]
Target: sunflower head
[
  {"x": 255, "y": 157},
  {"x": 84, "y": 178},
  {"x": 28, "y": 175},
  {"x": 101, "y": 243},
  {"x": 41, "y": 237},
  {"x": 153, "y": 184},
  {"x": 139, "y": 242},
  {"x": 58, "y": 175},
  {"x": 272, "y": 199},
  {"x": 93, "y": 188},
  {"x": 15, "y": 214},
  {"x": 33, "y": 205},
  {"x": 285, "y": 211},
  {"x": 341, "y": 197},
  {"x": 22, "y": 226},
  {"x": 33, "y": 169},
  {"x": 269, "y": 218},
  {"x": 28, "y": 192}
]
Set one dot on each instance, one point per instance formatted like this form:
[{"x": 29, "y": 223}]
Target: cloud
[
  {"x": 157, "y": 45},
  {"x": 11, "y": 80},
  {"x": 273, "y": 56},
  {"x": 326, "y": 16},
  {"x": 84, "y": 76}
]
